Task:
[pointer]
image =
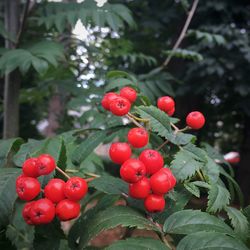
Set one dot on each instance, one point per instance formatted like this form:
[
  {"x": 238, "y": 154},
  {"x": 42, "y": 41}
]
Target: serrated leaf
[
  {"x": 211, "y": 170},
  {"x": 7, "y": 193},
  {"x": 109, "y": 185},
  {"x": 191, "y": 221},
  {"x": 201, "y": 184},
  {"x": 119, "y": 83},
  {"x": 185, "y": 54},
  {"x": 184, "y": 165},
  {"x": 198, "y": 153},
  {"x": 238, "y": 221},
  {"x": 192, "y": 188},
  {"x": 111, "y": 218},
  {"x": 210, "y": 241},
  {"x": 138, "y": 244},
  {"x": 121, "y": 74},
  {"x": 218, "y": 198}
]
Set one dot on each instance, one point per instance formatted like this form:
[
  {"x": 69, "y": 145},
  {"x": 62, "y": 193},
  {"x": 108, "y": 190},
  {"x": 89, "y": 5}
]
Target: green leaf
[
  {"x": 119, "y": 83},
  {"x": 192, "y": 188},
  {"x": 109, "y": 185},
  {"x": 238, "y": 221},
  {"x": 198, "y": 153},
  {"x": 121, "y": 74},
  {"x": 185, "y": 165},
  {"x": 210, "y": 241},
  {"x": 110, "y": 218},
  {"x": 18, "y": 232},
  {"x": 138, "y": 244},
  {"x": 218, "y": 198},
  {"x": 7, "y": 149},
  {"x": 7, "y": 193},
  {"x": 87, "y": 146},
  {"x": 185, "y": 54},
  {"x": 211, "y": 170},
  {"x": 191, "y": 221}
]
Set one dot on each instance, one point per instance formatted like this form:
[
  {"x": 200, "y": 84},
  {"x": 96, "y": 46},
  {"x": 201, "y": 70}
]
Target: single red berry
[
  {"x": 67, "y": 210},
  {"x": 46, "y": 164},
  {"x": 171, "y": 111},
  {"x": 165, "y": 103},
  {"x": 195, "y": 120},
  {"x": 119, "y": 152},
  {"x": 107, "y": 99},
  {"x": 27, "y": 188},
  {"x": 30, "y": 167},
  {"x": 132, "y": 170},
  {"x": 152, "y": 160},
  {"x": 75, "y": 188},
  {"x": 154, "y": 203},
  {"x": 26, "y": 212},
  {"x": 42, "y": 211},
  {"x": 162, "y": 181},
  {"x": 138, "y": 137},
  {"x": 140, "y": 189},
  {"x": 120, "y": 106},
  {"x": 54, "y": 190},
  {"x": 128, "y": 93}
]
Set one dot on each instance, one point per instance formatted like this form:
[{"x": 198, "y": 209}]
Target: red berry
[
  {"x": 128, "y": 93},
  {"x": 27, "y": 188},
  {"x": 140, "y": 189},
  {"x": 195, "y": 120},
  {"x": 165, "y": 103},
  {"x": 42, "y": 211},
  {"x": 30, "y": 167},
  {"x": 162, "y": 181},
  {"x": 107, "y": 99},
  {"x": 54, "y": 190},
  {"x": 26, "y": 212},
  {"x": 138, "y": 137},
  {"x": 152, "y": 160},
  {"x": 75, "y": 188},
  {"x": 120, "y": 106},
  {"x": 119, "y": 152},
  {"x": 67, "y": 210},
  {"x": 154, "y": 203},
  {"x": 46, "y": 164},
  {"x": 171, "y": 111},
  {"x": 132, "y": 170}
]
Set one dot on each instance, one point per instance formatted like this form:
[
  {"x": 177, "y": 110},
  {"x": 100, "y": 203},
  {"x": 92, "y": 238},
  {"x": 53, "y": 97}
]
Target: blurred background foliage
[{"x": 63, "y": 72}]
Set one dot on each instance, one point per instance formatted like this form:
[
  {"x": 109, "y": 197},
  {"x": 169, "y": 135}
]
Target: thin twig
[
  {"x": 93, "y": 175},
  {"x": 62, "y": 172},
  {"x": 138, "y": 118},
  {"x": 134, "y": 121},
  {"x": 162, "y": 145}
]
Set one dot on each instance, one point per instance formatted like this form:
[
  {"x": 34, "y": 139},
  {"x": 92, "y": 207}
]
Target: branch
[{"x": 183, "y": 32}]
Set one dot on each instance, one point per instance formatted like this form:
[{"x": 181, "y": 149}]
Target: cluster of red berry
[{"x": 60, "y": 197}]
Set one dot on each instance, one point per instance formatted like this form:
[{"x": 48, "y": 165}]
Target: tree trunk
[{"x": 12, "y": 80}]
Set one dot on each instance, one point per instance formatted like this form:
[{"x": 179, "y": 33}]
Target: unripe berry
[
  {"x": 165, "y": 103},
  {"x": 128, "y": 93},
  {"x": 132, "y": 170},
  {"x": 30, "y": 167},
  {"x": 67, "y": 210},
  {"x": 152, "y": 160},
  {"x": 120, "y": 106},
  {"x": 154, "y": 203},
  {"x": 46, "y": 164},
  {"x": 54, "y": 190},
  {"x": 140, "y": 189},
  {"x": 75, "y": 188},
  {"x": 119, "y": 152},
  {"x": 195, "y": 120},
  {"x": 138, "y": 137},
  {"x": 106, "y": 100}
]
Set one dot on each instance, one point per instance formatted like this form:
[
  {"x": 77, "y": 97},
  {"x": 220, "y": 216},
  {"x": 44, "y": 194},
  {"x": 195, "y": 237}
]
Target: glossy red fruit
[
  {"x": 27, "y": 188},
  {"x": 42, "y": 211},
  {"x": 107, "y": 99},
  {"x": 119, "y": 152},
  {"x": 46, "y": 164},
  {"x": 30, "y": 167},
  {"x": 132, "y": 170},
  {"x": 75, "y": 188},
  {"x": 138, "y": 137},
  {"x": 152, "y": 160},
  {"x": 120, "y": 106},
  {"x": 162, "y": 181},
  {"x": 165, "y": 103},
  {"x": 154, "y": 203},
  {"x": 128, "y": 93},
  {"x": 195, "y": 120},
  {"x": 26, "y": 212},
  {"x": 140, "y": 189},
  {"x": 171, "y": 111},
  {"x": 54, "y": 190},
  {"x": 67, "y": 210}
]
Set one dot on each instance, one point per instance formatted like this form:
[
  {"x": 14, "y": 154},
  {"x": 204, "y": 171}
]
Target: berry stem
[
  {"x": 93, "y": 175},
  {"x": 62, "y": 172},
  {"x": 138, "y": 118},
  {"x": 89, "y": 179},
  {"x": 134, "y": 121},
  {"x": 175, "y": 128},
  {"x": 184, "y": 129},
  {"x": 162, "y": 145},
  {"x": 200, "y": 175},
  {"x": 71, "y": 171}
]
